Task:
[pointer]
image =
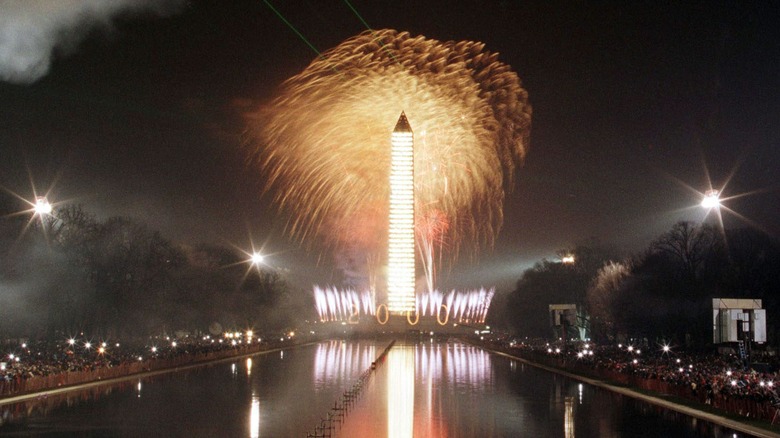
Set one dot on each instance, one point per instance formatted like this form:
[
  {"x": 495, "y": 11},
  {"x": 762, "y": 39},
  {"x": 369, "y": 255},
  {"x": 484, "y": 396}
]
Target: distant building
[
  {"x": 564, "y": 318},
  {"x": 738, "y": 319}
]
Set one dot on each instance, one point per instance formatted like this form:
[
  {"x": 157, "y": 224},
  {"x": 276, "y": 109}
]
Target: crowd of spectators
[
  {"x": 703, "y": 376},
  {"x": 23, "y": 359}
]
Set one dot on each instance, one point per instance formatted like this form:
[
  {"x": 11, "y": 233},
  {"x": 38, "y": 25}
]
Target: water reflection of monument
[
  {"x": 431, "y": 310},
  {"x": 341, "y": 362},
  {"x": 420, "y": 385},
  {"x": 400, "y": 394}
]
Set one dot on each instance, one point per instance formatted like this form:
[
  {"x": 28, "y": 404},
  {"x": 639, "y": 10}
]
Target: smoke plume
[{"x": 33, "y": 32}]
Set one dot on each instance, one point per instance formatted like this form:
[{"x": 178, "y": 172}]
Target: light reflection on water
[
  {"x": 400, "y": 397},
  {"x": 254, "y": 417},
  {"x": 568, "y": 419},
  {"x": 462, "y": 391},
  {"x": 435, "y": 390},
  {"x": 335, "y": 360},
  {"x": 422, "y": 389}
]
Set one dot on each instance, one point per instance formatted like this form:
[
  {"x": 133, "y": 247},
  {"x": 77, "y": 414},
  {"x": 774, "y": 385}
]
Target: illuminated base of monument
[
  {"x": 397, "y": 324},
  {"x": 434, "y": 311}
]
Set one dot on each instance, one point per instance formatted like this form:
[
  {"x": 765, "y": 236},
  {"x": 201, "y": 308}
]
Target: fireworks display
[
  {"x": 324, "y": 141},
  {"x": 457, "y": 307}
]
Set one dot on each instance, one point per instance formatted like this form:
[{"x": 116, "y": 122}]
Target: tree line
[
  {"x": 662, "y": 293},
  {"x": 68, "y": 272}
]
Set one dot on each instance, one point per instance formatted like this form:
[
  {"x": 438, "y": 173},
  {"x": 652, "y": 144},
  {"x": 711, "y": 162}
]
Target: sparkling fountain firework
[{"x": 469, "y": 307}]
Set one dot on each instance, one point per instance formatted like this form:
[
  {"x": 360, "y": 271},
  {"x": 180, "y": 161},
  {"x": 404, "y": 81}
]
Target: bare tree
[{"x": 688, "y": 247}]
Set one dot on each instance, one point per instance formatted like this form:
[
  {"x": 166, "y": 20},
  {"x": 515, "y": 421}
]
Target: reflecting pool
[{"x": 422, "y": 388}]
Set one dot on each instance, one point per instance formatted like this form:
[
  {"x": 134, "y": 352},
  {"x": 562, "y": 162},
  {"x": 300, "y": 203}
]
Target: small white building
[
  {"x": 738, "y": 319},
  {"x": 566, "y": 316}
]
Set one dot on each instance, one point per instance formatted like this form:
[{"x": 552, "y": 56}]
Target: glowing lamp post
[
  {"x": 401, "y": 267},
  {"x": 711, "y": 199},
  {"x": 42, "y": 206},
  {"x": 256, "y": 259}
]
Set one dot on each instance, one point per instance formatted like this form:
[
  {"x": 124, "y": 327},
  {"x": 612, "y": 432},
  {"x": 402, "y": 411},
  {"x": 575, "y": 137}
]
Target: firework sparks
[
  {"x": 350, "y": 305},
  {"x": 340, "y": 305},
  {"x": 324, "y": 141},
  {"x": 430, "y": 230}
]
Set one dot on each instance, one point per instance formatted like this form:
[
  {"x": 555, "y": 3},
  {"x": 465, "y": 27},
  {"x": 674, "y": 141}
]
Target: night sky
[{"x": 637, "y": 108}]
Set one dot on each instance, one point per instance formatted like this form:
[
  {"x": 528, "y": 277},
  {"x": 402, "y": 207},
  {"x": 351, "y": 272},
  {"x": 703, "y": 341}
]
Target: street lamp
[
  {"x": 42, "y": 206},
  {"x": 711, "y": 199},
  {"x": 256, "y": 258}
]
